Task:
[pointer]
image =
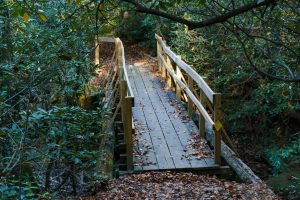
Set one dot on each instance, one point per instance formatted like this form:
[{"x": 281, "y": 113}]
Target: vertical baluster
[
  {"x": 178, "y": 88},
  {"x": 169, "y": 77},
  {"x": 97, "y": 51},
  {"x": 201, "y": 118},
  {"x": 190, "y": 102},
  {"x": 159, "y": 51}
]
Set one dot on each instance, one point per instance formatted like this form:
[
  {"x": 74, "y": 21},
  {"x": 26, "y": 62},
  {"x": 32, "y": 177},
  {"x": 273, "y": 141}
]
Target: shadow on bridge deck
[{"x": 166, "y": 139}]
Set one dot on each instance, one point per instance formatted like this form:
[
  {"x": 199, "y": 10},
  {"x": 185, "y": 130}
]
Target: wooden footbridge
[{"x": 163, "y": 115}]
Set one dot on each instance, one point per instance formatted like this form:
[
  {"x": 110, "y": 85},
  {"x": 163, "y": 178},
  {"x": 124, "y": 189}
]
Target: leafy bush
[
  {"x": 61, "y": 150},
  {"x": 255, "y": 108}
]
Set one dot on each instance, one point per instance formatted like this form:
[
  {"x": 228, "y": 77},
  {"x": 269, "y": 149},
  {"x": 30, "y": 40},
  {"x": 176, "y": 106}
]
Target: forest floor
[{"x": 173, "y": 185}]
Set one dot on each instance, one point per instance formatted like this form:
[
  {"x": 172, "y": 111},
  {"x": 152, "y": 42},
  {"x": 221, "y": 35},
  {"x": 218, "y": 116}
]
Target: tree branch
[{"x": 192, "y": 24}]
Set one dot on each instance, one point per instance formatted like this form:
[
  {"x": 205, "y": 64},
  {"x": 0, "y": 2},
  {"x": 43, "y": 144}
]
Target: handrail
[
  {"x": 120, "y": 89},
  {"x": 189, "y": 93},
  {"x": 123, "y": 65},
  {"x": 190, "y": 71},
  {"x": 165, "y": 57}
]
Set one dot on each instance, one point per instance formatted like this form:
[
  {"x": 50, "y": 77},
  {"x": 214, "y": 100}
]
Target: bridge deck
[{"x": 164, "y": 135}]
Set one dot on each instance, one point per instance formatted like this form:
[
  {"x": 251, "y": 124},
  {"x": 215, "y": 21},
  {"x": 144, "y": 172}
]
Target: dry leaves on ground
[{"x": 171, "y": 185}]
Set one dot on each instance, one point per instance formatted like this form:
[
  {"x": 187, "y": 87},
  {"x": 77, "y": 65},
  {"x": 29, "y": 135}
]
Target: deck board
[{"x": 162, "y": 135}]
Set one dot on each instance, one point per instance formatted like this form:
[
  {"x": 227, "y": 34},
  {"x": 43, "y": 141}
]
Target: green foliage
[
  {"x": 282, "y": 157},
  {"x": 141, "y": 28},
  {"x": 48, "y": 144},
  {"x": 255, "y": 108}
]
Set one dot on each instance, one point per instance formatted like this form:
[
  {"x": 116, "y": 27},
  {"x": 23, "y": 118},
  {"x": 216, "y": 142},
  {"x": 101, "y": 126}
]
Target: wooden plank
[
  {"x": 148, "y": 161},
  {"x": 156, "y": 110},
  {"x": 162, "y": 152},
  {"x": 181, "y": 130},
  {"x": 175, "y": 146},
  {"x": 190, "y": 71},
  {"x": 164, "y": 160},
  {"x": 107, "y": 39},
  {"x": 168, "y": 132},
  {"x": 184, "y": 133}
]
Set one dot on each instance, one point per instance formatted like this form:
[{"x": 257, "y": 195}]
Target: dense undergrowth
[{"x": 49, "y": 144}]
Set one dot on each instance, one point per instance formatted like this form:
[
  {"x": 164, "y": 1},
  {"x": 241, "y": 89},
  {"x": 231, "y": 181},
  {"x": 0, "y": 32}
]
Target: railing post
[
  {"x": 123, "y": 92},
  {"x": 118, "y": 54},
  {"x": 97, "y": 51},
  {"x": 128, "y": 132},
  {"x": 190, "y": 102},
  {"x": 169, "y": 78},
  {"x": 126, "y": 104},
  {"x": 201, "y": 118},
  {"x": 217, "y": 127},
  {"x": 159, "y": 51},
  {"x": 163, "y": 68},
  {"x": 178, "y": 88}
]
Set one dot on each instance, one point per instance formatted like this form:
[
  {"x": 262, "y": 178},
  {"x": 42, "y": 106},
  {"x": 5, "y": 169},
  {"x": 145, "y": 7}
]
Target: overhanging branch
[{"x": 193, "y": 24}]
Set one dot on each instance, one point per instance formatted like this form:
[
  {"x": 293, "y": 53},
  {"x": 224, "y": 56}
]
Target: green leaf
[
  {"x": 260, "y": 1},
  {"x": 42, "y": 17},
  {"x": 77, "y": 161},
  {"x": 26, "y": 17}
]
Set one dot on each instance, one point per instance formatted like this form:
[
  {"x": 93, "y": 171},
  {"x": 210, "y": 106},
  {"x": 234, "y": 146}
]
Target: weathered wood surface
[
  {"x": 163, "y": 138},
  {"x": 188, "y": 69}
]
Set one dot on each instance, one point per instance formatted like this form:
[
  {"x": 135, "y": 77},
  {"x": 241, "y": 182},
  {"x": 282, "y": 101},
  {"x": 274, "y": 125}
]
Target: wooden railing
[
  {"x": 191, "y": 88},
  {"x": 118, "y": 94}
]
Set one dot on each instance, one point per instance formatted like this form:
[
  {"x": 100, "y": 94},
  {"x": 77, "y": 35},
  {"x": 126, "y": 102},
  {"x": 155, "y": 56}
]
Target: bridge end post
[
  {"x": 126, "y": 109},
  {"x": 217, "y": 127}
]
